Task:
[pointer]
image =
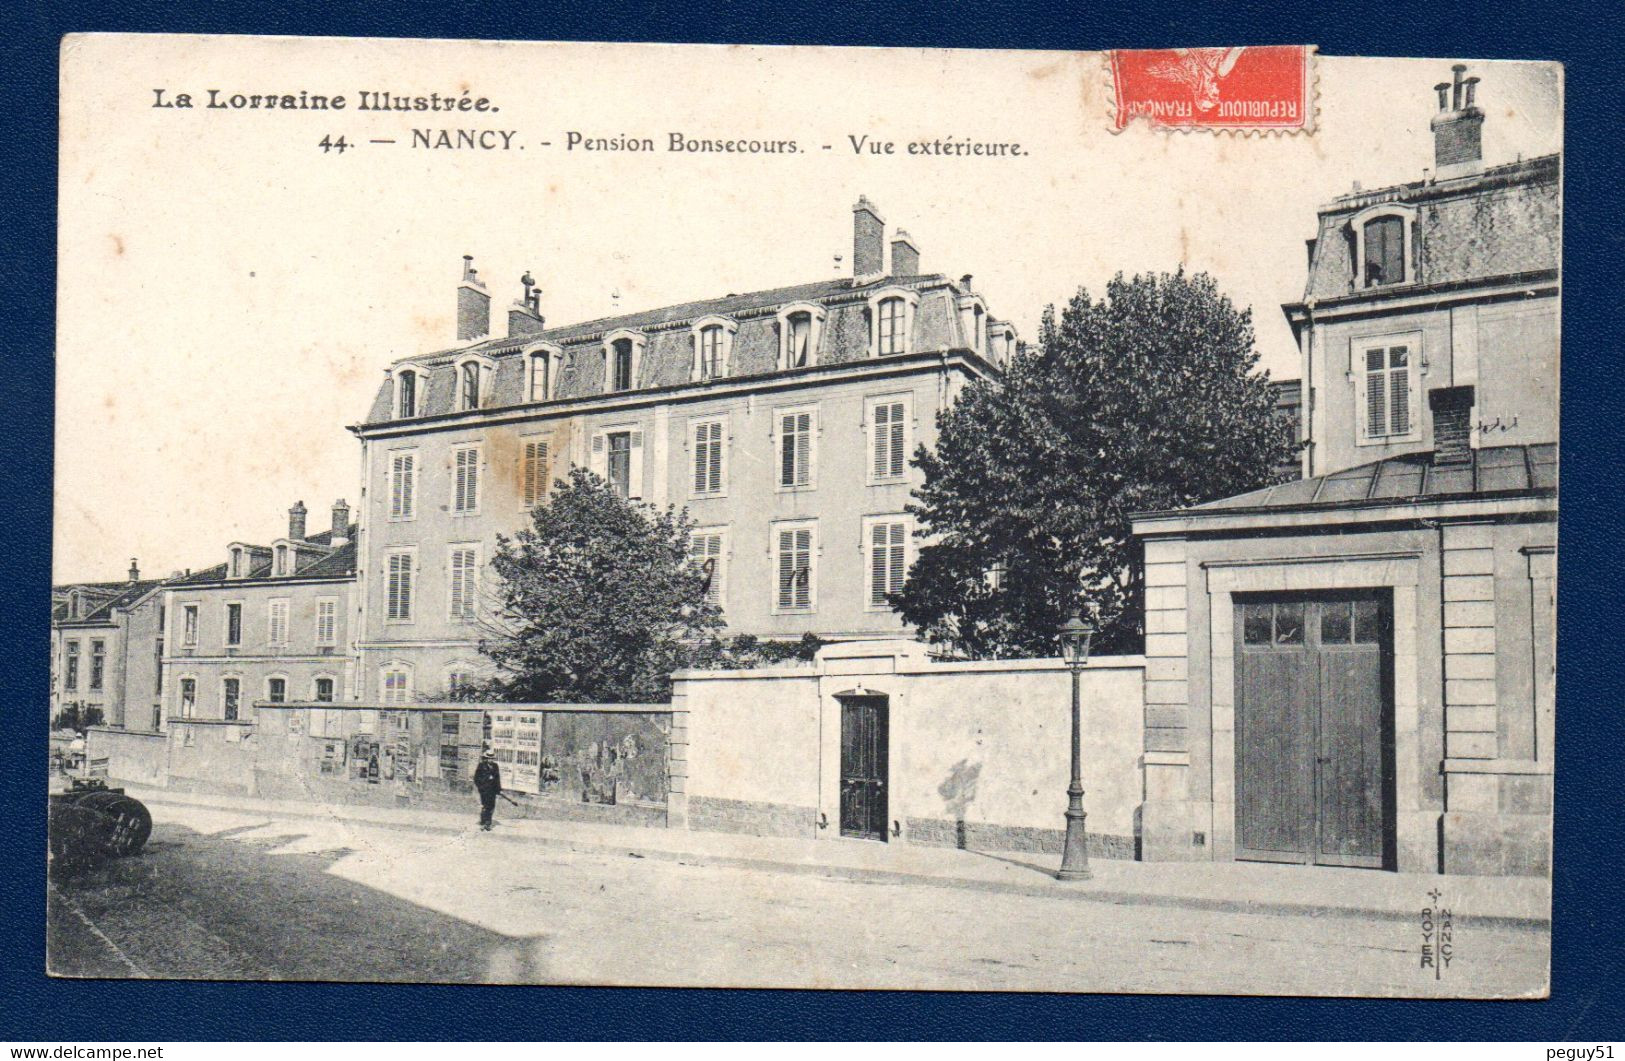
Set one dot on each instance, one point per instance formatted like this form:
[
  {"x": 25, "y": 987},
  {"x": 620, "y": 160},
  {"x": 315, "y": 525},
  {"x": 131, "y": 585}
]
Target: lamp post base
[{"x": 1075, "y": 855}]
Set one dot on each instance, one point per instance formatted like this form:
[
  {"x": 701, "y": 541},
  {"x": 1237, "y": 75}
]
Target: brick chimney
[
  {"x": 1458, "y": 128},
  {"x": 525, "y": 316},
  {"x": 341, "y": 523},
  {"x": 296, "y": 521},
  {"x": 473, "y": 304},
  {"x": 135, "y": 570},
  {"x": 905, "y": 256},
  {"x": 868, "y": 240},
  {"x": 1452, "y": 424}
]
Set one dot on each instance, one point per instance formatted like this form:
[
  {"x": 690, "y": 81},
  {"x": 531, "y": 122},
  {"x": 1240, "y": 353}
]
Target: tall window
[
  {"x": 621, "y": 365},
  {"x": 188, "y": 697},
  {"x": 888, "y": 560},
  {"x": 890, "y": 334},
  {"x": 620, "y": 462},
  {"x": 541, "y": 365},
  {"x": 230, "y": 695},
  {"x": 158, "y": 663},
  {"x": 705, "y": 550},
  {"x": 398, "y": 589},
  {"x": 282, "y": 560},
  {"x": 708, "y": 444},
  {"x": 407, "y": 383},
  {"x": 469, "y": 384},
  {"x": 402, "y": 485},
  {"x": 711, "y": 352},
  {"x": 98, "y": 663},
  {"x": 327, "y": 621},
  {"x": 189, "y": 625},
  {"x": 798, "y": 340},
  {"x": 324, "y": 690},
  {"x": 237, "y": 563},
  {"x": 1384, "y": 251},
  {"x": 279, "y": 621},
  {"x": 1388, "y": 391},
  {"x": 234, "y": 625},
  {"x": 795, "y": 448},
  {"x": 397, "y": 686},
  {"x": 276, "y": 690},
  {"x": 889, "y": 439},
  {"x": 466, "y": 479},
  {"x": 70, "y": 667},
  {"x": 464, "y": 568},
  {"x": 534, "y": 472},
  {"x": 795, "y": 572}
]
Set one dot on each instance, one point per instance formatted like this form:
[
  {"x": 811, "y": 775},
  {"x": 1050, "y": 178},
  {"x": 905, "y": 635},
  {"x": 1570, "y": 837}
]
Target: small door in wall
[{"x": 863, "y": 766}]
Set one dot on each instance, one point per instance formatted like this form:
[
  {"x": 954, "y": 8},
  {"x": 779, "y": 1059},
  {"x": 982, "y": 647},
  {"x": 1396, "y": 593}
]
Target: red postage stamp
[{"x": 1265, "y": 88}]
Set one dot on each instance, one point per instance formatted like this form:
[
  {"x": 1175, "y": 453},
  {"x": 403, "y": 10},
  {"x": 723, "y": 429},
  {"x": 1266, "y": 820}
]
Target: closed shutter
[
  {"x": 703, "y": 548},
  {"x": 402, "y": 475},
  {"x": 1399, "y": 391},
  {"x": 888, "y": 553},
  {"x": 598, "y": 460},
  {"x": 1376, "y": 393},
  {"x": 888, "y": 440},
  {"x": 326, "y": 622},
  {"x": 535, "y": 472},
  {"x": 795, "y": 456},
  {"x": 708, "y": 458},
  {"x": 462, "y": 583},
  {"x": 399, "y": 587},
  {"x": 634, "y": 466},
  {"x": 795, "y": 569},
  {"x": 466, "y": 493}
]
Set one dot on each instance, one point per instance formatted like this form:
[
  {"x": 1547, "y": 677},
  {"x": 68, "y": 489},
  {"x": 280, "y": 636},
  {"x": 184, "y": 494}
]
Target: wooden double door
[
  {"x": 864, "y": 769},
  {"x": 1314, "y": 729}
]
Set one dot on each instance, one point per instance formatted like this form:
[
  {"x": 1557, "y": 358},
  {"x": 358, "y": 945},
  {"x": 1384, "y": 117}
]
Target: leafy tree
[
  {"x": 1144, "y": 400},
  {"x": 77, "y": 716},
  {"x": 598, "y": 601}
]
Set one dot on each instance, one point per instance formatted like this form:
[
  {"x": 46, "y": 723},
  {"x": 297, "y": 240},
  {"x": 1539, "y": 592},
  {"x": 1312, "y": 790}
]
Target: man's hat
[{"x": 488, "y": 754}]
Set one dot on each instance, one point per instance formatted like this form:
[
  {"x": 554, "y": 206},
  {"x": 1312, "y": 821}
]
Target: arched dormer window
[
  {"x": 713, "y": 348},
  {"x": 891, "y": 321},
  {"x": 473, "y": 382},
  {"x": 238, "y": 565},
  {"x": 1384, "y": 245},
  {"x": 282, "y": 564},
  {"x": 801, "y": 324},
  {"x": 623, "y": 356},
  {"x": 73, "y": 605},
  {"x": 973, "y": 320},
  {"x": 406, "y": 393},
  {"x": 543, "y": 365},
  {"x": 1001, "y": 342}
]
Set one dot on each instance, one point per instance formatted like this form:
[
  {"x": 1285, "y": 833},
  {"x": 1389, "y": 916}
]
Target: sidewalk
[{"x": 1244, "y": 887}]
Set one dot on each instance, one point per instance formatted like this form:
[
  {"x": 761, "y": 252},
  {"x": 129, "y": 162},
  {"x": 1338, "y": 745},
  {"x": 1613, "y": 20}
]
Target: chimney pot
[
  {"x": 341, "y": 523},
  {"x": 868, "y": 240},
  {"x": 1458, "y": 133},
  {"x": 473, "y": 304},
  {"x": 296, "y": 521},
  {"x": 135, "y": 570}
]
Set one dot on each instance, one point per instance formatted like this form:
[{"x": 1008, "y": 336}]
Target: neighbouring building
[
  {"x": 105, "y": 645},
  {"x": 270, "y": 623},
  {"x": 783, "y": 420},
  {"x": 1357, "y": 668},
  {"x": 1289, "y": 407}
]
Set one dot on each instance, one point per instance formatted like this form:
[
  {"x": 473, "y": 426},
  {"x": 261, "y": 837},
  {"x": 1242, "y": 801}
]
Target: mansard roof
[
  {"x": 331, "y": 563},
  {"x": 1502, "y": 222},
  {"x": 110, "y": 596},
  {"x": 667, "y": 355}
]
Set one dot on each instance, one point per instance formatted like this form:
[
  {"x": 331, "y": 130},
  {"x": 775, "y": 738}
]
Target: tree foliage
[
  {"x": 1145, "y": 400},
  {"x": 78, "y": 716},
  {"x": 597, "y": 601}
]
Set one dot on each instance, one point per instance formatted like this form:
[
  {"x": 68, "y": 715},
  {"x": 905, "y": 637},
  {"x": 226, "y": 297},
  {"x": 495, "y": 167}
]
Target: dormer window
[
  {"x": 713, "y": 347},
  {"x": 623, "y": 350},
  {"x": 800, "y": 325},
  {"x": 891, "y": 316},
  {"x": 1384, "y": 239},
  {"x": 542, "y": 367},
  {"x": 282, "y": 559},
  {"x": 73, "y": 605},
  {"x": 1001, "y": 343},
  {"x": 473, "y": 382},
  {"x": 406, "y": 394},
  {"x": 235, "y": 568}
]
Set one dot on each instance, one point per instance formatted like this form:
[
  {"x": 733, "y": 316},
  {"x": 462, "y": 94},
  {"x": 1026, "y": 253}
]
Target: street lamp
[{"x": 1075, "y": 636}]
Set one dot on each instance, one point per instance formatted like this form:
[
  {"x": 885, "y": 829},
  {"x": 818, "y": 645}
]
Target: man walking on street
[{"x": 488, "y": 781}]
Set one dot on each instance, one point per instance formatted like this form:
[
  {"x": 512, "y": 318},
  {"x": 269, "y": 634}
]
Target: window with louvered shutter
[
  {"x": 703, "y": 547},
  {"x": 795, "y": 569},
  {"x": 279, "y": 622},
  {"x": 398, "y": 588},
  {"x": 708, "y": 457},
  {"x": 402, "y": 486},
  {"x": 795, "y": 449},
  {"x": 326, "y": 622},
  {"x": 889, "y": 434},
  {"x": 1388, "y": 391},
  {"x": 463, "y": 569},
  {"x": 888, "y": 554},
  {"x": 535, "y": 473},
  {"x": 466, "y": 480}
]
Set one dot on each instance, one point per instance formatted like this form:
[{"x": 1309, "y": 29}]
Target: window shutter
[
  {"x": 897, "y": 428},
  {"x": 1399, "y": 400},
  {"x": 535, "y": 472},
  {"x": 899, "y": 555},
  {"x": 878, "y": 541},
  {"x": 599, "y": 461},
  {"x": 1376, "y": 398},
  {"x": 634, "y": 476},
  {"x": 803, "y": 568},
  {"x": 787, "y": 569},
  {"x": 466, "y": 495}
]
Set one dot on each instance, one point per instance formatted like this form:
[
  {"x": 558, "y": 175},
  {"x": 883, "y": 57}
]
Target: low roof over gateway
[{"x": 1494, "y": 471}]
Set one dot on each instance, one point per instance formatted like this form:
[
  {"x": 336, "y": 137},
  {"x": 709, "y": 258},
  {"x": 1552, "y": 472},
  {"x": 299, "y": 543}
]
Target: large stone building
[
  {"x": 269, "y": 623},
  {"x": 103, "y": 657},
  {"x": 1357, "y": 668},
  {"x": 782, "y": 420}
]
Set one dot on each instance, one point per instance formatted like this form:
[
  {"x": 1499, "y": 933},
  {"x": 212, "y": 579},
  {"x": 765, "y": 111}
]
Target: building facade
[
  {"x": 104, "y": 637},
  {"x": 271, "y": 623},
  {"x": 1357, "y": 668},
  {"x": 782, "y": 420}
]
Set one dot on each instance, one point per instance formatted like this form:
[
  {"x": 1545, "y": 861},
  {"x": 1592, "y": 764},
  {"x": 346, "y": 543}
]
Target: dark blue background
[{"x": 1586, "y": 975}]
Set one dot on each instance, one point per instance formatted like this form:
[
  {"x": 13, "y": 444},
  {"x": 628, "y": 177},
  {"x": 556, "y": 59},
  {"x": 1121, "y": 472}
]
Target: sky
[{"x": 229, "y": 294}]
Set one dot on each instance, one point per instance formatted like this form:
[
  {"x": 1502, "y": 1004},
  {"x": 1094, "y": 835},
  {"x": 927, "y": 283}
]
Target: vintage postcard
[{"x": 638, "y": 514}]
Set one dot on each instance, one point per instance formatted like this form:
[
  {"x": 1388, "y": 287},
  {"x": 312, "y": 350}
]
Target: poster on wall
[{"x": 516, "y": 741}]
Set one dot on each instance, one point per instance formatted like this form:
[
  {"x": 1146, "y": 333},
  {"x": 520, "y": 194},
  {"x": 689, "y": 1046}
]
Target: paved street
[{"x": 227, "y": 894}]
